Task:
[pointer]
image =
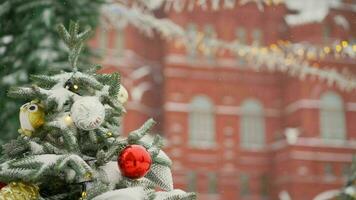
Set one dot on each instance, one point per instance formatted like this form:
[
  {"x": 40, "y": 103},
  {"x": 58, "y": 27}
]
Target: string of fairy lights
[
  {"x": 190, "y": 5},
  {"x": 337, "y": 49},
  {"x": 283, "y": 56},
  {"x": 291, "y": 53}
]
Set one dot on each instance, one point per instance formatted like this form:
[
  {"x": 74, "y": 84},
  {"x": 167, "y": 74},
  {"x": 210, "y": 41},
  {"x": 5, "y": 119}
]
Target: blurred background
[{"x": 255, "y": 98}]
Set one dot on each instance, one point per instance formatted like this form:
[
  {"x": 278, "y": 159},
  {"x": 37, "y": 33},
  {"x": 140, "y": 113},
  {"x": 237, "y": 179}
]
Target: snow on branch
[
  {"x": 134, "y": 193},
  {"x": 39, "y": 166}
]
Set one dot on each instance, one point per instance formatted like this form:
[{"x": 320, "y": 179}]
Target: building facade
[{"x": 234, "y": 133}]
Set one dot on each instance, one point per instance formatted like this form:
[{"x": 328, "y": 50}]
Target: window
[
  {"x": 257, "y": 37},
  {"x": 241, "y": 35},
  {"x": 212, "y": 178},
  {"x": 264, "y": 186},
  {"x": 103, "y": 40},
  {"x": 346, "y": 170},
  {"x": 192, "y": 44},
  {"x": 201, "y": 122},
  {"x": 332, "y": 117},
  {"x": 241, "y": 38},
  {"x": 326, "y": 33},
  {"x": 252, "y": 125},
  {"x": 244, "y": 185},
  {"x": 328, "y": 170},
  {"x": 209, "y": 50},
  {"x": 192, "y": 181},
  {"x": 119, "y": 42}
]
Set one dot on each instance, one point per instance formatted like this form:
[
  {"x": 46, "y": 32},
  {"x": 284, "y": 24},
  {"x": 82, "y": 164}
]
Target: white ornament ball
[
  {"x": 88, "y": 113},
  {"x": 123, "y": 95}
]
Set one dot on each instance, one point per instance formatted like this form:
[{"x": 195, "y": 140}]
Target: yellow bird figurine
[{"x": 31, "y": 117}]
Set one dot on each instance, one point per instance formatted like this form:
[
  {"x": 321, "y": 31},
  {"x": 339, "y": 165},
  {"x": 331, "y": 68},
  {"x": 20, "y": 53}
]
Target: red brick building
[{"x": 234, "y": 133}]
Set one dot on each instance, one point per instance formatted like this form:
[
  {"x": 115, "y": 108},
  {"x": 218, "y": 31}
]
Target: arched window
[
  {"x": 201, "y": 122},
  {"x": 257, "y": 36},
  {"x": 332, "y": 117},
  {"x": 252, "y": 127},
  {"x": 120, "y": 41},
  {"x": 209, "y": 50},
  {"x": 103, "y": 40},
  {"x": 326, "y": 33},
  {"x": 191, "y": 45},
  {"x": 241, "y": 37}
]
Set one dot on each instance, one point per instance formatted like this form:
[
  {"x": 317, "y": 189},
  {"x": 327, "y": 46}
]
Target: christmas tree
[
  {"x": 348, "y": 192},
  {"x": 69, "y": 145},
  {"x": 29, "y": 44}
]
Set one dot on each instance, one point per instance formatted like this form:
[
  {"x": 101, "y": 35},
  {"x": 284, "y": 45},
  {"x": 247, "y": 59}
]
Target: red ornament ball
[
  {"x": 2, "y": 185},
  {"x": 134, "y": 161}
]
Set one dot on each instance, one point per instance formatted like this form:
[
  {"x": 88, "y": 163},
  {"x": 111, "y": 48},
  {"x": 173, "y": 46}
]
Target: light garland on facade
[
  {"x": 190, "y": 5},
  {"x": 284, "y": 56}
]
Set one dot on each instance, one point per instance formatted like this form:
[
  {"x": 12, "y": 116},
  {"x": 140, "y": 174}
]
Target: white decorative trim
[
  {"x": 253, "y": 160},
  {"x": 219, "y": 109},
  {"x": 315, "y": 142},
  {"x": 313, "y": 104},
  {"x": 142, "y": 108},
  {"x": 181, "y": 59},
  {"x": 203, "y": 145},
  {"x": 140, "y": 72},
  {"x": 209, "y": 196},
  {"x": 308, "y": 179},
  {"x": 176, "y": 107},
  {"x": 351, "y": 106},
  {"x": 228, "y": 110},
  {"x": 321, "y": 156},
  {"x": 201, "y": 158},
  {"x": 320, "y": 142},
  {"x": 139, "y": 90},
  {"x": 269, "y": 112},
  {"x": 302, "y": 103}
]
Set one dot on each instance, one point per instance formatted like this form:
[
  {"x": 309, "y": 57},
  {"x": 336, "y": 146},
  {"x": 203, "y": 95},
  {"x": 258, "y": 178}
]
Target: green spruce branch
[{"x": 74, "y": 41}]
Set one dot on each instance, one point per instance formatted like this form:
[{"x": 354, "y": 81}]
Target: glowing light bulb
[
  {"x": 68, "y": 120},
  {"x": 88, "y": 175},
  {"x": 109, "y": 134},
  {"x": 338, "y": 48},
  {"x": 273, "y": 46},
  {"x": 327, "y": 50},
  {"x": 344, "y": 43}
]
